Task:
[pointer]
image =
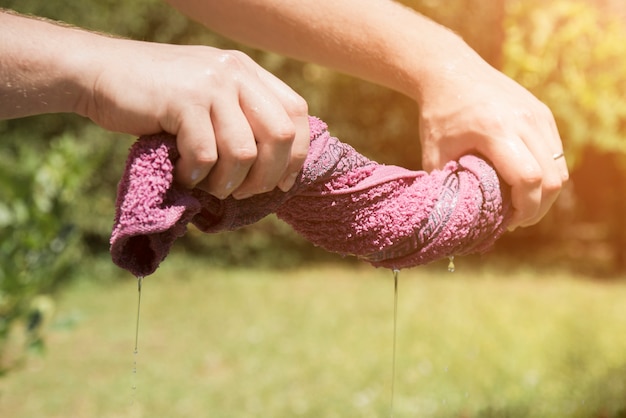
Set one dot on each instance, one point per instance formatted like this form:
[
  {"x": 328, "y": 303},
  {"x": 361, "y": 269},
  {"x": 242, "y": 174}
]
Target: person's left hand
[{"x": 240, "y": 130}]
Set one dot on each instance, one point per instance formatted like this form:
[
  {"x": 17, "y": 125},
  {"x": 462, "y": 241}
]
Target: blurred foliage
[
  {"x": 40, "y": 243},
  {"x": 471, "y": 19},
  {"x": 572, "y": 57},
  {"x": 58, "y": 173}
]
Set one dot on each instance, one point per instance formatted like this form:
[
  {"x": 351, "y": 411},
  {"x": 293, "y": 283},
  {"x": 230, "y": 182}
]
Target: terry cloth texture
[{"x": 343, "y": 202}]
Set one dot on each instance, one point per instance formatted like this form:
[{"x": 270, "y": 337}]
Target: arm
[
  {"x": 216, "y": 102},
  {"x": 466, "y": 105},
  {"x": 37, "y": 78}
]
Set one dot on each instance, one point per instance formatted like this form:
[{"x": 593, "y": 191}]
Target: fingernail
[
  {"x": 195, "y": 175},
  {"x": 225, "y": 191},
  {"x": 220, "y": 196},
  {"x": 242, "y": 196}
]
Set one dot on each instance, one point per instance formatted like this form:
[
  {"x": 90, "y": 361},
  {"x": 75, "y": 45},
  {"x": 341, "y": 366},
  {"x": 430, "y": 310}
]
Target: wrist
[
  {"x": 436, "y": 65},
  {"x": 425, "y": 57},
  {"x": 85, "y": 67}
]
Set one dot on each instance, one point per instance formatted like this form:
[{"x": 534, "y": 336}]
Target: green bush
[
  {"x": 573, "y": 57},
  {"x": 40, "y": 244}
]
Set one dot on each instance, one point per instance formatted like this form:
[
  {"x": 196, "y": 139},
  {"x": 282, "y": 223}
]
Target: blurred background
[{"x": 58, "y": 173}]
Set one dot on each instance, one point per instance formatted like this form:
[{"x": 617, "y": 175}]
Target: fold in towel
[{"x": 343, "y": 202}]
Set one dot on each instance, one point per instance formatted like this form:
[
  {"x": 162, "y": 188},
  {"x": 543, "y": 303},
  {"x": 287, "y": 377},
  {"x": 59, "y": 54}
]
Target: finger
[
  {"x": 542, "y": 137},
  {"x": 274, "y": 133},
  {"x": 299, "y": 152},
  {"x": 268, "y": 168},
  {"x": 236, "y": 148},
  {"x": 297, "y": 110},
  {"x": 558, "y": 147},
  {"x": 292, "y": 101},
  {"x": 538, "y": 131},
  {"x": 195, "y": 141},
  {"x": 518, "y": 167},
  {"x": 513, "y": 161},
  {"x": 260, "y": 178},
  {"x": 543, "y": 151}
]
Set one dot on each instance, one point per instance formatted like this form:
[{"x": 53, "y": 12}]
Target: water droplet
[{"x": 451, "y": 266}]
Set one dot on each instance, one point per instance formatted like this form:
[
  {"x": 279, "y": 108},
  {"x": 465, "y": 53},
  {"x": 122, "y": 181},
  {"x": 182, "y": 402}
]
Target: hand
[
  {"x": 473, "y": 108},
  {"x": 239, "y": 129}
]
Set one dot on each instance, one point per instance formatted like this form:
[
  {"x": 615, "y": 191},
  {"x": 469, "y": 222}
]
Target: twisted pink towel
[{"x": 342, "y": 202}]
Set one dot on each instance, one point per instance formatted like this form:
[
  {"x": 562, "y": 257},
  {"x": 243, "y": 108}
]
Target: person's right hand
[
  {"x": 473, "y": 108},
  {"x": 240, "y": 130}
]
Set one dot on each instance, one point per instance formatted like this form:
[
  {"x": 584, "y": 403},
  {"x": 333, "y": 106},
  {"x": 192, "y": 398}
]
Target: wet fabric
[{"x": 342, "y": 201}]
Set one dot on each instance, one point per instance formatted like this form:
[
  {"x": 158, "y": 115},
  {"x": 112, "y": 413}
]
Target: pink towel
[{"x": 342, "y": 202}]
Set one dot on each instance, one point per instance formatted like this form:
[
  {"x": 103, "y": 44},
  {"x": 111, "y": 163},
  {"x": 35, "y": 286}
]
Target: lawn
[{"x": 317, "y": 342}]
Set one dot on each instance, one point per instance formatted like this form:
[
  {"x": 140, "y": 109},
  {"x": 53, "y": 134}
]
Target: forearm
[
  {"x": 378, "y": 40},
  {"x": 466, "y": 106},
  {"x": 41, "y": 66}
]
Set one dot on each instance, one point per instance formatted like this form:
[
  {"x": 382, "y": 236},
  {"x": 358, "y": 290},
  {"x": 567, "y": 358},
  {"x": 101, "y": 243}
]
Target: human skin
[
  {"x": 466, "y": 106},
  {"x": 218, "y": 103},
  {"x": 241, "y": 131}
]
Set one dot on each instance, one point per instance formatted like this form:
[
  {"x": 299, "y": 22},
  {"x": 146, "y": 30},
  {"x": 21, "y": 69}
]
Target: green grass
[{"x": 318, "y": 343}]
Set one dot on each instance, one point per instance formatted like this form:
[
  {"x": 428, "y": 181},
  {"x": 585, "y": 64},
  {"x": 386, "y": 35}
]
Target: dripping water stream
[
  {"x": 396, "y": 272},
  {"x": 395, "y": 327},
  {"x": 136, "y": 349}
]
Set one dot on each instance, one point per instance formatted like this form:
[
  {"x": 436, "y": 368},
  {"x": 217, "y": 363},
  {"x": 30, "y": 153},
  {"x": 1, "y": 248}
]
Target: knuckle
[
  {"x": 283, "y": 133},
  {"x": 532, "y": 176},
  {"x": 544, "y": 110},
  {"x": 234, "y": 64},
  {"x": 205, "y": 157},
  {"x": 246, "y": 156},
  {"x": 236, "y": 55},
  {"x": 541, "y": 114},
  {"x": 298, "y": 107},
  {"x": 298, "y": 156},
  {"x": 231, "y": 59},
  {"x": 223, "y": 69},
  {"x": 553, "y": 185},
  {"x": 489, "y": 124}
]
